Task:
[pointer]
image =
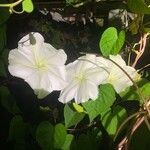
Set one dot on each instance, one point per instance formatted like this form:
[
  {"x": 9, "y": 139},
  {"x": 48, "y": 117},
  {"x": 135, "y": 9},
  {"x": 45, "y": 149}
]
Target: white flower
[
  {"x": 83, "y": 78},
  {"x": 117, "y": 77},
  {"x": 39, "y": 64}
]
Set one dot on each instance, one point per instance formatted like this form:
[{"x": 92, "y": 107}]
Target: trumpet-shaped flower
[
  {"x": 39, "y": 64},
  {"x": 117, "y": 77},
  {"x": 83, "y": 77}
]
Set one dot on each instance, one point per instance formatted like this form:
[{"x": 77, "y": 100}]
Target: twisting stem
[
  {"x": 146, "y": 66},
  {"x": 128, "y": 119},
  {"x": 142, "y": 43},
  {"x": 11, "y": 4},
  {"x": 127, "y": 139}
]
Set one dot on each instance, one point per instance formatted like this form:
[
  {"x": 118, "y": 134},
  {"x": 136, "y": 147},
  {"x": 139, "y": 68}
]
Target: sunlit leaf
[
  {"x": 112, "y": 120},
  {"x": 108, "y": 40},
  {"x": 27, "y": 6},
  {"x": 111, "y": 42},
  {"x": 145, "y": 90},
  {"x": 119, "y": 43},
  {"x": 132, "y": 94},
  {"x": 102, "y": 103},
  {"x": 78, "y": 108},
  {"x": 72, "y": 117}
]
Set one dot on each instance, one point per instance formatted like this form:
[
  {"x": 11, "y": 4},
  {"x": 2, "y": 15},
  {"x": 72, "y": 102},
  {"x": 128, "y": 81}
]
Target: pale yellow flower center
[
  {"x": 112, "y": 78},
  {"x": 80, "y": 77},
  {"x": 41, "y": 65}
]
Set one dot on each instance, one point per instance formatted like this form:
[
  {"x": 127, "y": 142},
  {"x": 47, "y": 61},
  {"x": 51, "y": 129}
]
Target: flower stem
[{"x": 11, "y": 4}]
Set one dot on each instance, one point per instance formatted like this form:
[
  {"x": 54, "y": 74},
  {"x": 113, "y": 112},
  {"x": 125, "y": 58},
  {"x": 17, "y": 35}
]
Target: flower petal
[
  {"x": 39, "y": 64},
  {"x": 96, "y": 75},
  {"x": 19, "y": 57},
  {"x": 87, "y": 90},
  {"x": 69, "y": 92},
  {"x": 118, "y": 59},
  {"x": 56, "y": 75},
  {"x": 85, "y": 62},
  {"x": 20, "y": 71}
]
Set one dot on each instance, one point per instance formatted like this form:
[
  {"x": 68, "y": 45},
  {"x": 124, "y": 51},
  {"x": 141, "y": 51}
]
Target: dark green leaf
[
  {"x": 135, "y": 24},
  {"x": 4, "y": 15},
  {"x": 2, "y": 37},
  {"x": 2, "y": 69},
  {"x": 7, "y": 101},
  {"x": 44, "y": 135},
  {"x": 59, "y": 136},
  {"x": 17, "y": 130},
  {"x": 102, "y": 103},
  {"x": 72, "y": 117},
  {"x": 140, "y": 139},
  {"x": 84, "y": 142},
  {"x": 4, "y": 56},
  {"x": 138, "y": 6}
]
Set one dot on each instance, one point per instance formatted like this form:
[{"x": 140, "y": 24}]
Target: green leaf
[
  {"x": 68, "y": 141},
  {"x": 44, "y": 135},
  {"x": 138, "y": 6},
  {"x": 102, "y": 103},
  {"x": 145, "y": 90},
  {"x": 4, "y": 15},
  {"x": 2, "y": 37},
  {"x": 78, "y": 108},
  {"x": 135, "y": 24},
  {"x": 84, "y": 142},
  {"x": 17, "y": 130},
  {"x": 27, "y": 6},
  {"x": 112, "y": 120},
  {"x": 132, "y": 94},
  {"x": 7, "y": 101},
  {"x": 59, "y": 136},
  {"x": 72, "y": 117},
  {"x": 140, "y": 138},
  {"x": 4, "y": 56},
  {"x": 2, "y": 69},
  {"x": 108, "y": 40},
  {"x": 147, "y": 30},
  {"x": 111, "y": 42},
  {"x": 119, "y": 43}
]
